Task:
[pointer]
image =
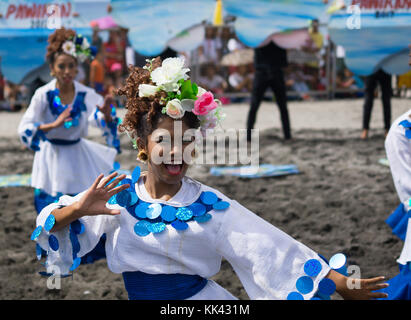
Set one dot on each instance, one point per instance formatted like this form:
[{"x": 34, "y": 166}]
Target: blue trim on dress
[
  {"x": 42, "y": 200},
  {"x": 407, "y": 125},
  {"x": 144, "y": 286},
  {"x": 398, "y": 221},
  {"x": 112, "y": 126},
  {"x": 57, "y": 108}
]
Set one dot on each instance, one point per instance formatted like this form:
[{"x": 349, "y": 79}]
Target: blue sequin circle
[
  {"x": 133, "y": 199},
  {"x": 36, "y": 233},
  {"x": 141, "y": 209},
  {"x": 156, "y": 227},
  {"x": 184, "y": 214},
  {"x": 326, "y": 286},
  {"x": 123, "y": 198},
  {"x": 116, "y": 165},
  {"x": 136, "y": 174},
  {"x": 198, "y": 209},
  {"x": 312, "y": 267},
  {"x": 141, "y": 228},
  {"x": 53, "y": 243},
  {"x": 50, "y": 221},
  {"x": 168, "y": 213},
  {"x": 203, "y": 218},
  {"x": 221, "y": 205},
  {"x": 208, "y": 197},
  {"x": 179, "y": 225},
  {"x": 153, "y": 211},
  {"x": 295, "y": 296},
  {"x": 304, "y": 284}
]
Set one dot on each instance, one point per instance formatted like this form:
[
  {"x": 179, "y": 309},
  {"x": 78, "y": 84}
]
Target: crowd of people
[{"x": 305, "y": 72}]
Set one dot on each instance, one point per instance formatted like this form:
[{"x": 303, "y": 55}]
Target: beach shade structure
[
  {"x": 104, "y": 23},
  {"x": 152, "y": 24},
  {"x": 187, "y": 39},
  {"x": 26, "y": 24},
  {"x": 374, "y": 34},
  {"x": 37, "y": 77},
  {"x": 257, "y": 20},
  {"x": 238, "y": 57}
]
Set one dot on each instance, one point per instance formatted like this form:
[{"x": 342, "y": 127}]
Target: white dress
[
  {"x": 67, "y": 169},
  {"x": 398, "y": 149},
  {"x": 267, "y": 261}
]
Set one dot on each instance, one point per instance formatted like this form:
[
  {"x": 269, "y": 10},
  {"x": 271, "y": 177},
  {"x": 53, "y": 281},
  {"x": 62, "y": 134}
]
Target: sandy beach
[{"x": 338, "y": 203}]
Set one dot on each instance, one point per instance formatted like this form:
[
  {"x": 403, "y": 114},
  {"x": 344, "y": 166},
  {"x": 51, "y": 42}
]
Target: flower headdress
[
  {"x": 182, "y": 94},
  {"x": 79, "y": 47}
]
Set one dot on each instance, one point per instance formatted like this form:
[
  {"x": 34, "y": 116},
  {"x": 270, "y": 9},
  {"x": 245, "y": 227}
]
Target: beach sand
[{"x": 338, "y": 203}]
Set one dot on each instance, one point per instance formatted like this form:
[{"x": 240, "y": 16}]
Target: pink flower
[{"x": 204, "y": 104}]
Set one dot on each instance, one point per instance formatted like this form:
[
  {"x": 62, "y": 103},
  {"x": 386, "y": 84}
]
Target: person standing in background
[
  {"x": 269, "y": 62},
  {"x": 97, "y": 73},
  {"x": 371, "y": 81}
]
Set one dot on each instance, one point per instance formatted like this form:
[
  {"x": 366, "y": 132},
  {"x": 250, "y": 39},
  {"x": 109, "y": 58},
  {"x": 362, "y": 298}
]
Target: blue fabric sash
[
  {"x": 144, "y": 286},
  {"x": 398, "y": 221},
  {"x": 61, "y": 142}
]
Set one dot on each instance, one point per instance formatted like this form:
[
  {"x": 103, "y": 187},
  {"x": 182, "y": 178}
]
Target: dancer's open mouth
[{"x": 174, "y": 169}]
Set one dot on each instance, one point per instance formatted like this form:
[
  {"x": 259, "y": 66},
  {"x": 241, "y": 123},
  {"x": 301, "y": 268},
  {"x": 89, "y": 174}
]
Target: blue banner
[{"x": 26, "y": 24}]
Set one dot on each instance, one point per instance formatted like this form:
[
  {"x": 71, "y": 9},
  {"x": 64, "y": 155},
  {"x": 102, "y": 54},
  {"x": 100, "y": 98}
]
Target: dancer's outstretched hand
[
  {"x": 106, "y": 107},
  {"x": 358, "y": 289},
  {"x": 94, "y": 200},
  {"x": 365, "y": 289},
  {"x": 63, "y": 117}
]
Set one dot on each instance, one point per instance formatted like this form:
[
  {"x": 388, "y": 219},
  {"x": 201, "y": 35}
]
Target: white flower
[
  {"x": 201, "y": 91},
  {"x": 147, "y": 90},
  {"x": 85, "y": 44},
  {"x": 171, "y": 71},
  {"x": 174, "y": 109},
  {"x": 69, "y": 48}
]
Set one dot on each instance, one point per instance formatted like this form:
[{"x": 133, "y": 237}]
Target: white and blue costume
[
  {"x": 170, "y": 249},
  {"x": 398, "y": 149},
  {"x": 65, "y": 162}
]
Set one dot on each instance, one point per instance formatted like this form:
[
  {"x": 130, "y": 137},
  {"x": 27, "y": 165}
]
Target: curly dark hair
[
  {"x": 56, "y": 40},
  {"x": 143, "y": 113}
]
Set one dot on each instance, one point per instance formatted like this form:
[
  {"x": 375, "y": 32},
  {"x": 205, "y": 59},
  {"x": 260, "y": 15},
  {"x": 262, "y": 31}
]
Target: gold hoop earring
[{"x": 142, "y": 156}]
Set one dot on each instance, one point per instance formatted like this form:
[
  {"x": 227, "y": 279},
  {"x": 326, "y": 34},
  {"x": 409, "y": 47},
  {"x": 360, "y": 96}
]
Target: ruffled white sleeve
[
  {"x": 267, "y": 261},
  {"x": 66, "y": 246},
  {"x": 28, "y": 130},
  {"x": 398, "y": 149},
  {"x": 96, "y": 119}
]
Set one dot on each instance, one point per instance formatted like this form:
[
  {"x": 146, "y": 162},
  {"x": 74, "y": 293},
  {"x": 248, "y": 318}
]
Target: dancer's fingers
[
  {"x": 118, "y": 189},
  {"x": 377, "y": 286},
  {"x": 115, "y": 182},
  {"x": 107, "y": 179},
  {"x": 97, "y": 181},
  {"x": 376, "y": 295},
  {"x": 372, "y": 281}
]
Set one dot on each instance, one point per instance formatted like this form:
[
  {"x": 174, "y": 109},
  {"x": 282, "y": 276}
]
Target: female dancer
[
  {"x": 398, "y": 148},
  {"x": 57, "y": 119},
  {"x": 167, "y": 233}
]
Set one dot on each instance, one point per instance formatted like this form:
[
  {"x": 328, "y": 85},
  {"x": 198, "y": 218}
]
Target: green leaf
[
  {"x": 195, "y": 88},
  {"x": 187, "y": 91}
]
